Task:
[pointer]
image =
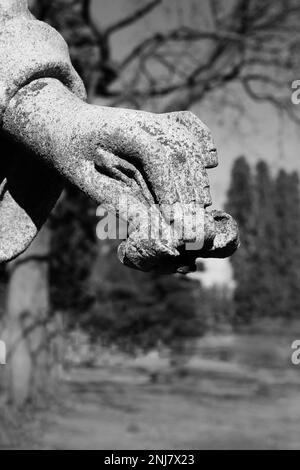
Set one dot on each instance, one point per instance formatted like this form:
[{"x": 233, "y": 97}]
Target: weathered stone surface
[
  {"x": 29, "y": 49},
  {"x": 108, "y": 153},
  {"x": 10, "y": 9}
]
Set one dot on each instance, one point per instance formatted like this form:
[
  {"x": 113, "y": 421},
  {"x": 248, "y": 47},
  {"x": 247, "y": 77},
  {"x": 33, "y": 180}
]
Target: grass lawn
[{"x": 237, "y": 392}]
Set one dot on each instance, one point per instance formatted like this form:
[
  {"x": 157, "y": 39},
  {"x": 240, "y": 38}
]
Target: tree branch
[
  {"x": 135, "y": 16},
  {"x": 245, "y": 38},
  {"x": 182, "y": 35},
  {"x": 270, "y": 98},
  {"x": 86, "y": 16}
]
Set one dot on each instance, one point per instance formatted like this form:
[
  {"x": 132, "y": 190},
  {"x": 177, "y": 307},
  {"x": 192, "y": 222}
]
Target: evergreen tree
[
  {"x": 287, "y": 206},
  {"x": 294, "y": 246},
  {"x": 267, "y": 266},
  {"x": 264, "y": 288},
  {"x": 240, "y": 204},
  {"x": 73, "y": 249}
]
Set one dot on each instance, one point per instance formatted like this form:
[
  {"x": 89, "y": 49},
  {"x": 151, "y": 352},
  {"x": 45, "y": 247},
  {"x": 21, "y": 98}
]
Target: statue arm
[{"x": 154, "y": 160}]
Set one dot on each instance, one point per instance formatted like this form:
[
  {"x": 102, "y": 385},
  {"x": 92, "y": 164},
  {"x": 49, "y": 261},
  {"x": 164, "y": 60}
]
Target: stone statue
[{"x": 49, "y": 134}]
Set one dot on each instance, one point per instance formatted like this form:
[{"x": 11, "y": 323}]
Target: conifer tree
[
  {"x": 264, "y": 286},
  {"x": 287, "y": 206},
  {"x": 267, "y": 266},
  {"x": 240, "y": 203}
]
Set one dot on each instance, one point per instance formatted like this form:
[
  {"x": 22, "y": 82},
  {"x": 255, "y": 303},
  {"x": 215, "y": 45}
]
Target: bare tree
[{"x": 251, "y": 43}]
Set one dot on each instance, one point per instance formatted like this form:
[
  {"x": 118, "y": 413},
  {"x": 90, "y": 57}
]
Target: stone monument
[{"x": 49, "y": 134}]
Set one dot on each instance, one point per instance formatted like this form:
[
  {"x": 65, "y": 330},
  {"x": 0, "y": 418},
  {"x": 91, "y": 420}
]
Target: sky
[{"x": 254, "y": 130}]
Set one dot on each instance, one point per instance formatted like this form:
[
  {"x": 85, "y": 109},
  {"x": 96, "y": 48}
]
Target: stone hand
[
  {"x": 153, "y": 160},
  {"x": 49, "y": 133}
]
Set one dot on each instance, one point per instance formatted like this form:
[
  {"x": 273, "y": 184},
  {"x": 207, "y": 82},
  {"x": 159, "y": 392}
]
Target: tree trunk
[{"x": 27, "y": 314}]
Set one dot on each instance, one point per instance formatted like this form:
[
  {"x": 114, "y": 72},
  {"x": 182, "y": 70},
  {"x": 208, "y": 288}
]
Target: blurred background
[{"x": 102, "y": 357}]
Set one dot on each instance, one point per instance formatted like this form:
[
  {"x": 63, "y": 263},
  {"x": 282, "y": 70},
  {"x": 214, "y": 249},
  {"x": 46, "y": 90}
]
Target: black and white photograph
[{"x": 150, "y": 227}]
